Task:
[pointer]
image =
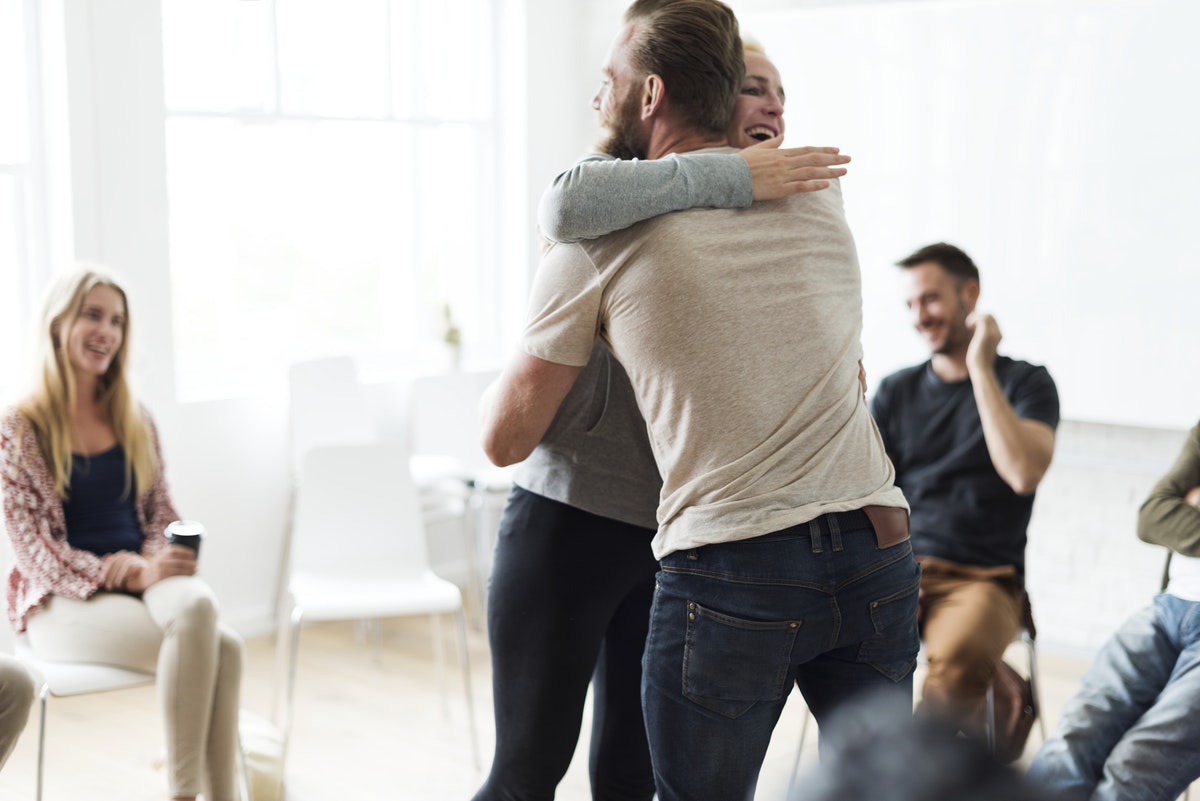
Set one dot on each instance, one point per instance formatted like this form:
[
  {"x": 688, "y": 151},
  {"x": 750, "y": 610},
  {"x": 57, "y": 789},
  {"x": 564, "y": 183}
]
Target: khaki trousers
[
  {"x": 172, "y": 631},
  {"x": 968, "y": 616},
  {"x": 17, "y": 692}
]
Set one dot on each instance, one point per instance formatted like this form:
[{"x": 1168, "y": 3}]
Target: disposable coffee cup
[{"x": 187, "y": 533}]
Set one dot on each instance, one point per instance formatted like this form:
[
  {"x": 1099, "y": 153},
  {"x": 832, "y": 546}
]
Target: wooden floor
[{"x": 363, "y": 730}]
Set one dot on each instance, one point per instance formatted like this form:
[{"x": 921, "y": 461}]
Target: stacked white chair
[
  {"x": 358, "y": 552},
  {"x": 445, "y": 433}
]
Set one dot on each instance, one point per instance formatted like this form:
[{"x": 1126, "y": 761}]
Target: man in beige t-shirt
[{"x": 782, "y": 539}]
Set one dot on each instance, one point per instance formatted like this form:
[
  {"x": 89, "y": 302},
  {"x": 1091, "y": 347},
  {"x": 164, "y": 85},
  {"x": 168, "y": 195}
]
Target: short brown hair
[
  {"x": 694, "y": 46},
  {"x": 950, "y": 258}
]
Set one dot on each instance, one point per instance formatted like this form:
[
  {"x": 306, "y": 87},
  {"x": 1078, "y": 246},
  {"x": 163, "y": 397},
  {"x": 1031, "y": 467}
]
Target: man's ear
[
  {"x": 970, "y": 293},
  {"x": 654, "y": 96}
]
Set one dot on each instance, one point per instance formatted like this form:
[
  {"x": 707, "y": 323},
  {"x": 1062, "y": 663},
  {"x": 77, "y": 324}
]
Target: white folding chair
[
  {"x": 358, "y": 552},
  {"x": 444, "y": 433},
  {"x": 444, "y": 421},
  {"x": 65, "y": 679},
  {"x": 327, "y": 406}
]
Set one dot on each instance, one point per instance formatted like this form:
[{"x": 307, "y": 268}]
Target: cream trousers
[
  {"x": 172, "y": 631},
  {"x": 16, "y": 697}
]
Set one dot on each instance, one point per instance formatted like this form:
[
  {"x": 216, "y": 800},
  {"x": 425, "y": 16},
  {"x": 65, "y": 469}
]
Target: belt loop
[
  {"x": 835, "y": 531},
  {"x": 814, "y": 531}
]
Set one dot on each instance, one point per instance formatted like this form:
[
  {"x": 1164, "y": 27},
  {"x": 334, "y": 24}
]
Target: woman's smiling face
[
  {"x": 758, "y": 114},
  {"x": 96, "y": 335}
]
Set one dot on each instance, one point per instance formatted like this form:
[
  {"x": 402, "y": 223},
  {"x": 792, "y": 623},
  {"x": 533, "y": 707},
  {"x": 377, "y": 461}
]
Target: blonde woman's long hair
[{"x": 50, "y": 407}]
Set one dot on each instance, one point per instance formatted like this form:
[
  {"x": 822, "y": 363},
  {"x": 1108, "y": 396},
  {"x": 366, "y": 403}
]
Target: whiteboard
[{"x": 1056, "y": 141}]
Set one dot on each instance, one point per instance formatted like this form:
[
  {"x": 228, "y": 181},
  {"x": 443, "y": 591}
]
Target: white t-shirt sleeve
[{"x": 564, "y": 307}]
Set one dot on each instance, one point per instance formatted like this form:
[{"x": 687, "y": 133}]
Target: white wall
[
  {"x": 997, "y": 125},
  {"x": 1085, "y": 567}
]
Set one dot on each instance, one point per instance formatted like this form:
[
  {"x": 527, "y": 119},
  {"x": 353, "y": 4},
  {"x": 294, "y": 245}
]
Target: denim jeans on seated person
[
  {"x": 733, "y": 625},
  {"x": 1132, "y": 729}
]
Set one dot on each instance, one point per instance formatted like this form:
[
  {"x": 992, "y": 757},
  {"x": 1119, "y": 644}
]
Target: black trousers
[{"x": 568, "y": 602}]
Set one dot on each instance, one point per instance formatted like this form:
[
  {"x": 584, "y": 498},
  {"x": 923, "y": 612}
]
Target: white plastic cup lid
[{"x": 186, "y": 528}]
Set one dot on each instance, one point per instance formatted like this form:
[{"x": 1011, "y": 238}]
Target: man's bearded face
[{"x": 625, "y": 138}]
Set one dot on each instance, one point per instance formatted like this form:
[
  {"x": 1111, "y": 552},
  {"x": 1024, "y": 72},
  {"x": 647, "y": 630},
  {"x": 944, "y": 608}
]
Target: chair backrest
[
  {"x": 357, "y": 514},
  {"x": 444, "y": 417},
  {"x": 328, "y": 406}
]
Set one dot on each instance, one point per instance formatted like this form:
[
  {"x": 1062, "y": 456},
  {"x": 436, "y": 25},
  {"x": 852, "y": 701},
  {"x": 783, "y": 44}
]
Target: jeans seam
[
  {"x": 873, "y": 568},
  {"x": 733, "y": 578}
]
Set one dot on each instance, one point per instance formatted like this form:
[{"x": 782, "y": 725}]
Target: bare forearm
[
  {"x": 517, "y": 409},
  {"x": 1020, "y": 449},
  {"x": 502, "y": 441}
]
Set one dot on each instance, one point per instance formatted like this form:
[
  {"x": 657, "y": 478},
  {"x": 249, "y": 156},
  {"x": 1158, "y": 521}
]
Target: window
[
  {"x": 331, "y": 178},
  {"x": 16, "y": 192}
]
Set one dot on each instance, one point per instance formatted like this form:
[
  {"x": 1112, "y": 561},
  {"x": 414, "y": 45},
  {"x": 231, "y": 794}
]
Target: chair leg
[
  {"x": 1034, "y": 684},
  {"x": 375, "y": 627},
  {"x": 474, "y": 519},
  {"x": 989, "y": 717},
  {"x": 293, "y": 651},
  {"x": 439, "y": 661},
  {"x": 794, "y": 781},
  {"x": 41, "y": 757},
  {"x": 243, "y": 776},
  {"x": 466, "y": 667}
]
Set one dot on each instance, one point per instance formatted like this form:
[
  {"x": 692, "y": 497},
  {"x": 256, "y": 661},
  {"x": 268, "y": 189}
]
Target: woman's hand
[
  {"x": 777, "y": 172},
  {"x": 174, "y": 560}
]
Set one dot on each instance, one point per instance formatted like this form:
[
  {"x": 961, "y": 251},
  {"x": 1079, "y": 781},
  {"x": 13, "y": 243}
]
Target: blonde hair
[
  {"x": 751, "y": 46},
  {"x": 50, "y": 406}
]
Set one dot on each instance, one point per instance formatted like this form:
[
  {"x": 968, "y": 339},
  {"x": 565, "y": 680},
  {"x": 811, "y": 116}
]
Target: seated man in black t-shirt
[{"x": 971, "y": 435}]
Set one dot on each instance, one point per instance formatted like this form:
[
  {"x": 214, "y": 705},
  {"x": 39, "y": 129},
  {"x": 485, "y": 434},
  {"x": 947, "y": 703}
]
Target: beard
[
  {"x": 958, "y": 335},
  {"x": 625, "y": 139}
]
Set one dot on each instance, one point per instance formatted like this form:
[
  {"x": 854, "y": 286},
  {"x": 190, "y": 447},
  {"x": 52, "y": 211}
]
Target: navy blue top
[
  {"x": 101, "y": 518},
  {"x": 961, "y": 509}
]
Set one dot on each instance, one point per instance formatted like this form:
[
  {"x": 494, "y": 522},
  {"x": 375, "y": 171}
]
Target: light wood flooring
[{"x": 363, "y": 730}]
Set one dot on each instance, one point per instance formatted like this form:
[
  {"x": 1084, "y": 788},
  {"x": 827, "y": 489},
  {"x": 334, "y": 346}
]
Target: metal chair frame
[
  {"x": 1025, "y": 637},
  {"x": 82, "y": 678}
]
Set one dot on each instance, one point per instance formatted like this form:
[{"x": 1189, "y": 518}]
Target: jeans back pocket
[
  {"x": 730, "y": 663},
  {"x": 893, "y": 649}
]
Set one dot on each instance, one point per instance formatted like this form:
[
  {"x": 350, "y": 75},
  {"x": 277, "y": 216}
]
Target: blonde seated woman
[{"x": 85, "y": 505}]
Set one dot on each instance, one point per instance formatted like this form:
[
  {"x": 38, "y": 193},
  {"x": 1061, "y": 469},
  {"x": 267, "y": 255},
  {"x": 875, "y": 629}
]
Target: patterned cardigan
[{"x": 43, "y": 563}]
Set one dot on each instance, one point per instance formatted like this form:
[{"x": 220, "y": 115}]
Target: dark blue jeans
[
  {"x": 732, "y": 627},
  {"x": 568, "y": 602}
]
